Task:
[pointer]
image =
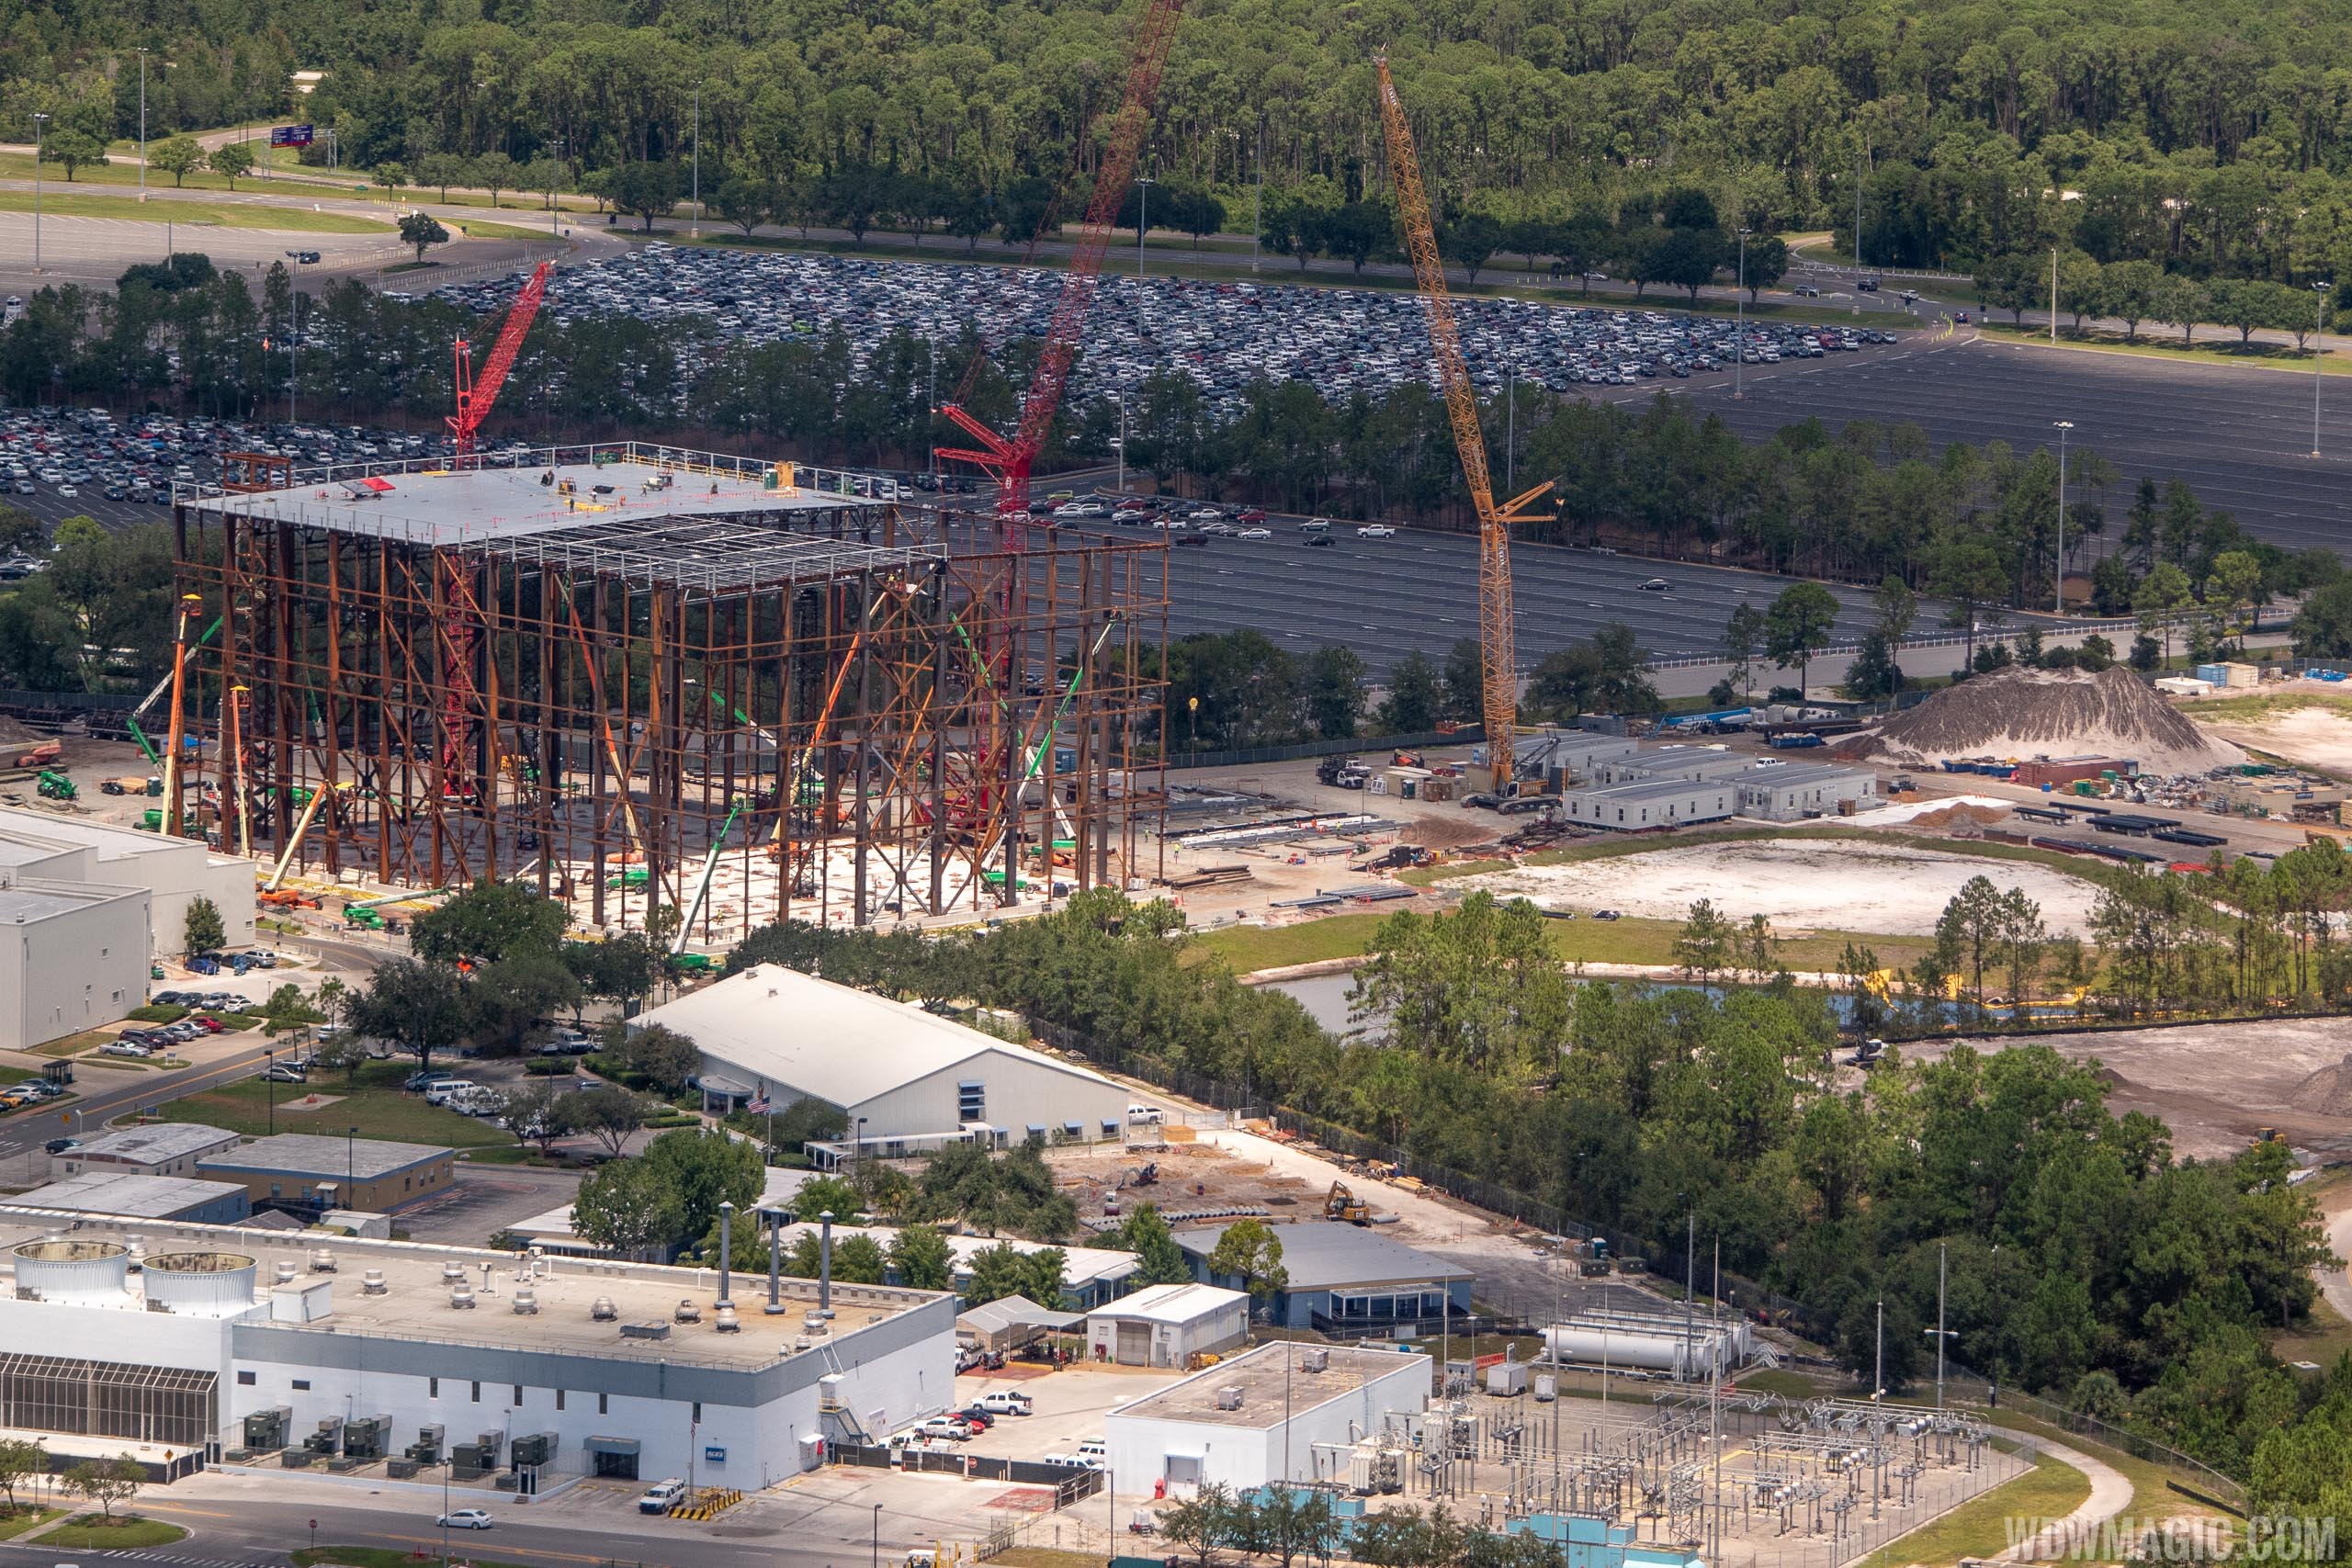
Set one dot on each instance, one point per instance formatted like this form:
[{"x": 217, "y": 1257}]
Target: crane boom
[
  {"x": 1008, "y": 461},
  {"x": 1497, "y": 632},
  {"x": 475, "y": 399}
]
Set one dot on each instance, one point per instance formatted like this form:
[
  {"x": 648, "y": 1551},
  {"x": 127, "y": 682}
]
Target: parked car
[{"x": 465, "y": 1519}]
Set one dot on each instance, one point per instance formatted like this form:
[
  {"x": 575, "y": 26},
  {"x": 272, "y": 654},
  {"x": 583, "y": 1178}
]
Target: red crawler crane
[
  {"x": 1008, "y": 462},
  {"x": 460, "y": 619}
]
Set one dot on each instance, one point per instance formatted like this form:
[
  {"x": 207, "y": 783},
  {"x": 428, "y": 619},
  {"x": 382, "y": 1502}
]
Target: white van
[{"x": 440, "y": 1092}]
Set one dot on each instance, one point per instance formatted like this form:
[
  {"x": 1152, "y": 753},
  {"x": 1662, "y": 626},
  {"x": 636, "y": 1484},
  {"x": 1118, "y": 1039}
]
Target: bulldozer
[{"x": 1339, "y": 1203}]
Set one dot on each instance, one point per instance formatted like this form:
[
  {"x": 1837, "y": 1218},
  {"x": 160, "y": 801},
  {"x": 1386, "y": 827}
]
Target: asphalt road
[
  {"x": 108, "y": 1092},
  {"x": 95, "y": 250}
]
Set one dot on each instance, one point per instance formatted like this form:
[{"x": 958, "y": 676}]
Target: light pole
[
  {"x": 1123, "y": 441},
  {"x": 350, "y": 1163},
  {"x": 1739, "y": 323},
  {"x": 877, "y": 1535},
  {"x": 2063, "y": 427},
  {"x": 39, "y": 118},
  {"x": 697, "y": 194},
  {"x": 555, "y": 179},
  {"x": 143, "y": 129},
  {"x": 2319, "y": 351},
  {"x": 1878, "y": 1377},
  {"x": 294, "y": 337},
  {"x": 1143, "y": 218},
  {"x": 269, "y": 1074},
  {"x": 1939, "y": 1334}
]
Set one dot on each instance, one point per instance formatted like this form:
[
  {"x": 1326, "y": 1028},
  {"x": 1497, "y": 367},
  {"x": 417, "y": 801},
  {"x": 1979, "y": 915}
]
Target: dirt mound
[
  {"x": 2023, "y": 713},
  {"x": 1445, "y": 832},
  {"x": 2327, "y": 1092},
  {"x": 11, "y": 731},
  {"x": 1970, "y": 820}
]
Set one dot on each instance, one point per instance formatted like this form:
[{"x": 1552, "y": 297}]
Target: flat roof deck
[
  {"x": 1271, "y": 1384},
  {"x": 415, "y": 1301}
]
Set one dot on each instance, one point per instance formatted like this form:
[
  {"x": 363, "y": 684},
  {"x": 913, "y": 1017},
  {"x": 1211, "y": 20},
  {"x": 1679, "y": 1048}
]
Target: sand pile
[
  {"x": 2024, "y": 713},
  {"x": 2327, "y": 1092},
  {"x": 12, "y": 732}
]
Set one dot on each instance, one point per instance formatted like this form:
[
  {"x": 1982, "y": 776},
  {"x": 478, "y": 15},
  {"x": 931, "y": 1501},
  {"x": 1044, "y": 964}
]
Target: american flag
[{"x": 758, "y": 1107}]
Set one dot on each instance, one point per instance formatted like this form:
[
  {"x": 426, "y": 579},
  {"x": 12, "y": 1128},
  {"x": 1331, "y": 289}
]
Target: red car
[{"x": 1255, "y": 514}]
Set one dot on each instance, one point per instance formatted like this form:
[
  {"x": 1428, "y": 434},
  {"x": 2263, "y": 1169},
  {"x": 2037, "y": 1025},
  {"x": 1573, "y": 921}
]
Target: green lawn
[
  {"x": 2258, "y": 705},
  {"x": 480, "y": 229},
  {"x": 377, "y": 1107},
  {"x": 1980, "y": 1527},
  {"x": 191, "y": 214},
  {"x": 2158, "y": 343},
  {"x": 123, "y": 1532},
  {"x": 2151, "y": 1496},
  {"x": 16, "y": 1522}
]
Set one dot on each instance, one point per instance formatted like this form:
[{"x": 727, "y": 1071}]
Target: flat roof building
[
  {"x": 1658, "y": 803},
  {"x": 904, "y": 1073},
  {"x": 372, "y": 1174},
  {"x": 174, "y": 871},
  {"x": 1790, "y": 792},
  {"x": 1167, "y": 1326},
  {"x": 73, "y": 954},
  {"x": 158, "y": 1148},
  {"x": 1346, "y": 1277},
  {"x": 626, "y": 1371},
  {"x": 1689, "y": 763},
  {"x": 1284, "y": 1411},
  {"x": 142, "y": 1198}
]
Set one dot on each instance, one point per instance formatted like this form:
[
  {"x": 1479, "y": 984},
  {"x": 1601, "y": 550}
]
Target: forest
[
  {"x": 2212, "y": 137},
  {"x": 2085, "y": 1261}
]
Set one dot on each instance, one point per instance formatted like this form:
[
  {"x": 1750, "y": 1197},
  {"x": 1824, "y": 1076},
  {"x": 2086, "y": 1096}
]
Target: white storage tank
[
  {"x": 200, "y": 1282},
  {"x": 57, "y": 1269}
]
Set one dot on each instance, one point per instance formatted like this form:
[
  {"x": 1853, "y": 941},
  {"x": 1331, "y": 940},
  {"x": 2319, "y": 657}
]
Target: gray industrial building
[
  {"x": 1790, "y": 792},
  {"x": 156, "y": 1149},
  {"x": 1690, "y": 764},
  {"x": 1657, "y": 802},
  {"x": 142, "y": 1198}
]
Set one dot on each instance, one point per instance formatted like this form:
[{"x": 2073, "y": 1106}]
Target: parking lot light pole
[
  {"x": 1739, "y": 323},
  {"x": 269, "y": 1075},
  {"x": 877, "y": 1535},
  {"x": 142, "y": 129},
  {"x": 38, "y": 119},
  {"x": 2319, "y": 353},
  {"x": 697, "y": 194},
  {"x": 2059, "y": 571},
  {"x": 1143, "y": 219}
]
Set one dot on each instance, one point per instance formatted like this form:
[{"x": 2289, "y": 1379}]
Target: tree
[
  {"x": 610, "y": 1114},
  {"x": 1336, "y": 683},
  {"x": 1044, "y": 1282},
  {"x": 494, "y": 171},
  {"x": 2159, "y": 598},
  {"x": 1968, "y": 572},
  {"x": 1203, "y": 1521},
  {"x": 2127, "y": 291},
  {"x": 665, "y": 1059},
  {"x": 627, "y": 1207},
  {"x": 1412, "y": 703},
  {"x": 1798, "y": 624},
  {"x": 1768, "y": 262},
  {"x": 648, "y": 190},
  {"x": 1249, "y": 1251},
  {"x": 178, "y": 156},
  {"x": 440, "y": 171},
  {"x": 287, "y": 1007},
  {"x": 623, "y": 968},
  {"x": 706, "y": 1166},
  {"x": 106, "y": 1482},
  {"x": 2243, "y": 303},
  {"x": 202, "y": 931},
  {"x": 2181, "y": 302},
  {"x": 828, "y": 1195},
  {"x": 2323, "y": 625},
  {"x": 2232, "y": 591},
  {"x": 1743, "y": 640},
  {"x": 488, "y": 922},
  {"x": 1705, "y": 947},
  {"x": 997, "y": 1272},
  {"x": 535, "y": 1113},
  {"x": 1159, "y": 1261},
  {"x": 342, "y": 1052},
  {"x": 1874, "y": 671},
  {"x": 921, "y": 1257},
  {"x": 419, "y": 229},
  {"x": 1470, "y": 242},
  {"x": 74, "y": 148},
  {"x": 421, "y": 1007},
  {"x": 859, "y": 1260},
  {"x": 20, "y": 1459},
  {"x": 747, "y": 203}
]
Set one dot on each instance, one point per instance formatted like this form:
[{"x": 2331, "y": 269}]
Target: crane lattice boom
[
  {"x": 475, "y": 399},
  {"x": 1008, "y": 461},
  {"x": 1497, "y": 634}
]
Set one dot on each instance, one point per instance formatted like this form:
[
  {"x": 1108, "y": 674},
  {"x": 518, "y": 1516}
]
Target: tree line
[
  {"x": 1635, "y": 1107},
  {"x": 2137, "y": 291},
  {"x": 2193, "y": 136}
]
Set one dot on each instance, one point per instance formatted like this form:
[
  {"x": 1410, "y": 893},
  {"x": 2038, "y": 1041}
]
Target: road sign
[{"x": 289, "y": 136}]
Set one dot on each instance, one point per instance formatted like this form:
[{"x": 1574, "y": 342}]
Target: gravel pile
[{"x": 2023, "y": 713}]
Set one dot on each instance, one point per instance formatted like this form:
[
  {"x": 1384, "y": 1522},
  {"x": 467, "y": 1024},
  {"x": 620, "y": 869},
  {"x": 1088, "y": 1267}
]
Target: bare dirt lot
[
  {"x": 2318, "y": 736},
  {"x": 1843, "y": 883},
  {"x": 2216, "y": 1084}
]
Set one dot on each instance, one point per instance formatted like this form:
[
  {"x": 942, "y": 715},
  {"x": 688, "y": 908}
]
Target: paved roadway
[{"x": 95, "y": 250}]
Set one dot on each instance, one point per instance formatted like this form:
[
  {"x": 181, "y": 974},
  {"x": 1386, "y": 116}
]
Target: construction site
[{"x": 637, "y": 679}]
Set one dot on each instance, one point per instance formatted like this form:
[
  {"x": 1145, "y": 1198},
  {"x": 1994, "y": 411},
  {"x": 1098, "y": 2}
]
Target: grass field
[
  {"x": 17, "y": 1521},
  {"x": 2161, "y": 344},
  {"x": 1980, "y": 1527},
  {"x": 377, "y": 1107},
  {"x": 2257, "y": 704},
  {"x": 2151, "y": 1496},
  {"x": 123, "y": 1532},
  {"x": 481, "y": 228},
  {"x": 1630, "y": 941},
  {"x": 191, "y": 214},
  {"x": 73, "y": 1044}
]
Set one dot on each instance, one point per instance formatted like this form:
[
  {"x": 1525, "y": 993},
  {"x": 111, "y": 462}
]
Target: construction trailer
[
  {"x": 576, "y": 671},
  {"x": 1651, "y": 804}
]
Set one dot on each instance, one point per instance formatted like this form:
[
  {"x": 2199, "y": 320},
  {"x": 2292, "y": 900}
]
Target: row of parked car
[{"x": 28, "y": 1092}]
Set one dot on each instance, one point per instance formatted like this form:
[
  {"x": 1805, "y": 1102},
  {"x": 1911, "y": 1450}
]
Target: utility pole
[
  {"x": 1258, "y": 199},
  {"x": 1939, "y": 1334},
  {"x": 1859, "y": 154},
  {"x": 2053, "y": 296},
  {"x": 2063, "y": 425},
  {"x": 1123, "y": 441},
  {"x": 1690, "y": 1288},
  {"x": 1739, "y": 324},
  {"x": 2319, "y": 352},
  {"x": 1511, "y": 425},
  {"x": 1143, "y": 218},
  {"x": 697, "y": 196},
  {"x": 1878, "y": 1378},
  {"x": 39, "y": 118},
  {"x": 555, "y": 179},
  {"x": 143, "y": 130}
]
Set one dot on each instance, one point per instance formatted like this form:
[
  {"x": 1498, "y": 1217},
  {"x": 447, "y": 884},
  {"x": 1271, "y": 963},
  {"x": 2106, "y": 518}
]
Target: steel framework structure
[{"x": 644, "y": 676}]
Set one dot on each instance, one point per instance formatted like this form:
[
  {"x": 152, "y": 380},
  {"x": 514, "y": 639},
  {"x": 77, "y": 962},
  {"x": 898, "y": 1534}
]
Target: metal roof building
[
  {"x": 1167, "y": 1326},
  {"x": 1347, "y": 1277},
  {"x": 160, "y": 1148},
  {"x": 142, "y": 1198},
  {"x": 906, "y": 1074},
  {"x": 1657, "y": 803},
  {"x": 370, "y": 1174},
  {"x": 1790, "y": 792}
]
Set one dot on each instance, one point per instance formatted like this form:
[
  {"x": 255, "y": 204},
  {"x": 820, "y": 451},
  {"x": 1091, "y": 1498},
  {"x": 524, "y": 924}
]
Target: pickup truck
[{"x": 661, "y": 1496}]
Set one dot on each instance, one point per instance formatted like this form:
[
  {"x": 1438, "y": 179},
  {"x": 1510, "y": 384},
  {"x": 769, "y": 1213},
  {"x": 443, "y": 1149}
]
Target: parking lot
[{"x": 1224, "y": 335}]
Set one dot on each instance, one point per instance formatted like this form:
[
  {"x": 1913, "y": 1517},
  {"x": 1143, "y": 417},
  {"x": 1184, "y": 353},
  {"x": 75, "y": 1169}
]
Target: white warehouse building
[
  {"x": 1167, "y": 1326},
  {"x": 174, "y": 871},
  {"x": 1284, "y": 1410},
  {"x": 171, "y": 1334},
  {"x": 912, "y": 1078}
]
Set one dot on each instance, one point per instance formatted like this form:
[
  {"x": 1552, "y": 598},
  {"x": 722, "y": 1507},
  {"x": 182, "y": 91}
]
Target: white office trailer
[
  {"x": 174, "y": 871},
  {"x": 239, "y": 1342},
  {"x": 1284, "y": 1410},
  {"x": 1662, "y": 803},
  {"x": 1167, "y": 1326},
  {"x": 901, "y": 1076},
  {"x": 1790, "y": 792},
  {"x": 72, "y": 956},
  {"x": 1562, "y": 757},
  {"x": 1690, "y": 764}
]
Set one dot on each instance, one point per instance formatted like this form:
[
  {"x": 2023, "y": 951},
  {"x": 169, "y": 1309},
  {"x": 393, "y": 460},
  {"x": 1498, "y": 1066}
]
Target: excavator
[{"x": 1342, "y": 1204}]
